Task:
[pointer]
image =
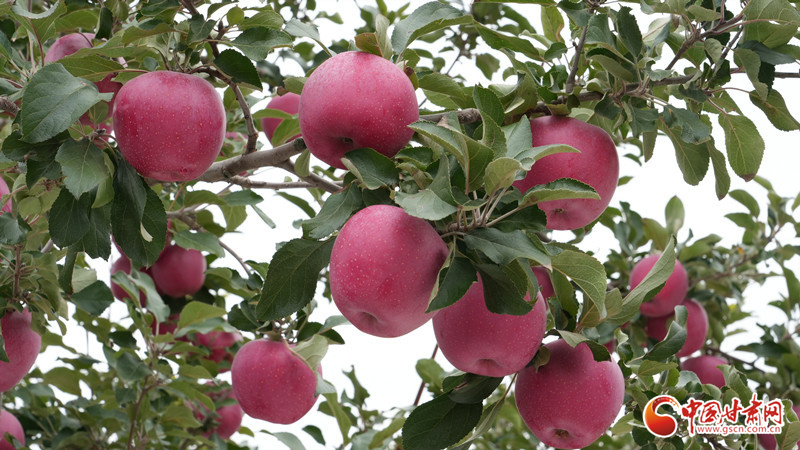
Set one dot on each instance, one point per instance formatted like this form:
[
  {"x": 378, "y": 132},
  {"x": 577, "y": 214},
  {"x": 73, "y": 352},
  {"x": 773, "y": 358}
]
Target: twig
[
  {"x": 314, "y": 180},
  {"x": 469, "y": 115},
  {"x": 253, "y": 184},
  {"x": 17, "y": 272},
  {"x": 223, "y": 170},
  {"x": 236, "y": 257},
  {"x": 573, "y": 71},
  {"x": 422, "y": 385}
]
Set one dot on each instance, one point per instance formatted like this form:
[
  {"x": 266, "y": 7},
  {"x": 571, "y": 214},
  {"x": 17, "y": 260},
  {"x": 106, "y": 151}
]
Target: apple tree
[{"x": 451, "y": 162}]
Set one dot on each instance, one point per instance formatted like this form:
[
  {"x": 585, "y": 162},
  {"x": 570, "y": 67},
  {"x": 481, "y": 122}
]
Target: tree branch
[
  {"x": 223, "y": 170},
  {"x": 314, "y": 180},
  {"x": 573, "y": 71},
  {"x": 253, "y": 184}
]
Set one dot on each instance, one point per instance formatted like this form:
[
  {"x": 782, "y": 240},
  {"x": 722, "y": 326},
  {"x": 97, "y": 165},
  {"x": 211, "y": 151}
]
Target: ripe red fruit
[
  {"x": 3, "y": 191},
  {"x": 169, "y": 125},
  {"x": 705, "y": 367},
  {"x": 356, "y": 99},
  {"x": 228, "y": 418},
  {"x": 384, "y": 265},
  {"x": 220, "y": 343},
  {"x": 71, "y": 43},
  {"x": 573, "y": 399},
  {"x": 22, "y": 345},
  {"x": 670, "y": 296},
  {"x": 179, "y": 271},
  {"x": 769, "y": 442},
  {"x": 545, "y": 284},
  {"x": 597, "y": 165},
  {"x": 273, "y": 383},
  {"x": 476, "y": 340},
  {"x": 10, "y": 424},
  {"x": 288, "y": 103},
  {"x": 696, "y": 327}
]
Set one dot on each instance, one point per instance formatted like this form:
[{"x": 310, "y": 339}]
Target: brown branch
[
  {"x": 573, "y": 71},
  {"x": 223, "y": 170},
  {"x": 469, "y": 115},
  {"x": 422, "y": 385},
  {"x": 7, "y": 105},
  {"x": 312, "y": 179},
  {"x": 253, "y": 184}
]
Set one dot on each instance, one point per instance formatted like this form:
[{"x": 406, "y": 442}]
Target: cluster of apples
[
  {"x": 659, "y": 313},
  {"x": 22, "y": 345}
]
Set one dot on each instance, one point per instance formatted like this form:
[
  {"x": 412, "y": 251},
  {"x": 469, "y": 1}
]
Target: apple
[
  {"x": 169, "y": 326},
  {"x": 288, "y": 103},
  {"x": 597, "y": 165},
  {"x": 3, "y": 191},
  {"x": 572, "y": 400},
  {"x": 769, "y": 442},
  {"x": 479, "y": 341},
  {"x": 273, "y": 383},
  {"x": 384, "y": 265},
  {"x": 353, "y": 100},
  {"x": 22, "y": 346},
  {"x": 545, "y": 284},
  {"x": 220, "y": 343},
  {"x": 179, "y": 271},
  {"x": 226, "y": 420},
  {"x": 670, "y": 296},
  {"x": 705, "y": 367},
  {"x": 169, "y": 126},
  {"x": 10, "y": 424},
  {"x": 476, "y": 340},
  {"x": 71, "y": 43},
  {"x": 696, "y": 327}
]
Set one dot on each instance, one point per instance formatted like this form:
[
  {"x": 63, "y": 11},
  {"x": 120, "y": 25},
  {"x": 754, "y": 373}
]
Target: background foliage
[{"x": 646, "y": 72}]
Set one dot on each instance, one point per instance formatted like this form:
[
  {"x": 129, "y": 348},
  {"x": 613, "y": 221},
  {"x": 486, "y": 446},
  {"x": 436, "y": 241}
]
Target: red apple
[
  {"x": 476, "y": 340},
  {"x": 226, "y": 420},
  {"x": 288, "y": 103},
  {"x": 71, "y": 43},
  {"x": 356, "y": 99},
  {"x": 670, "y": 296},
  {"x": 10, "y": 424},
  {"x": 545, "y": 284},
  {"x": 705, "y": 367},
  {"x": 769, "y": 442},
  {"x": 597, "y": 165},
  {"x": 573, "y": 399},
  {"x": 169, "y": 125},
  {"x": 22, "y": 347},
  {"x": 166, "y": 327},
  {"x": 273, "y": 383},
  {"x": 3, "y": 191},
  {"x": 220, "y": 343},
  {"x": 384, "y": 265},
  {"x": 179, "y": 271},
  {"x": 696, "y": 327}
]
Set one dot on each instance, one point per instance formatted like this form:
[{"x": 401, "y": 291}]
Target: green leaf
[
  {"x": 439, "y": 423},
  {"x": 130, "y": 367},
  {"x": 265, "y": 17},
  {"x": 501, "y": 41},
  {"x": 90, "y": 67},
  {"x": 373, "y": 169},
  {"x": 94, "y": 298},
  {"x": 672, "y": 343},
  {"x": 292, "y": 278},
  {"x": 674, "y": 213},
  {"x": 199, "y": 28},
  {"x": 138, "y": 219},
  {"x": 301, "y": 29},
  {"x": 198, "y": 312},
  {"x": 504, "y": 288},
  {"x": 771, "y": 22},
  {"x": 53, "y": 100},
  {"x": 519, "y": 142},
  {"x": 334, "y": 213},
  {"x": 500, "y": 173},
  {"x": 13, "y": 230},
  {"x": 488, "y": 104},
  {"x": 723, "y": 179},
  {"x": 427, "y": 18},
  {"x": 69, "y": 218},
  {"x": 238, "y": 67},
  {"x": 693, "y": 130},
  {"x": 257, "y": 42},
  {"x": 368, "y": 42},
  {"x": 692, "y": 158},
  {"x": 105, "y": 23},
  {"x": 559, "y": 189},
  {"x": 502, "y": 247},
  {"x": 245, "y": 197},
  {"x": 443, "y": 84},
  {"x": 629, "y": 32},
  {"x": 83, "y": 166},
  {"x": 288, "y": 439},
  {"x": 199, "y": 240},
  {"x": 657, "y": 276},
  {"x": 744, "y": 144},
  {"x": 587, "y": 272},
  {"x": 454, "y": 281},
  {"x": 747, "y": 200},
  {"x": 474, "y": 388},
  {"x": 425, "y": 204},
  {"x": 775, "y": 109}
]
